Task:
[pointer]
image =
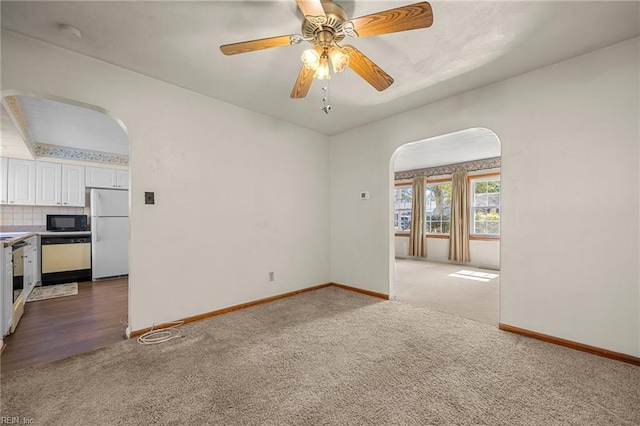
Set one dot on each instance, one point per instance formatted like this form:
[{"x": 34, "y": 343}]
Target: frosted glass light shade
[
  {"x": 322, "y": 73},
  {"x": 310, "y": 59},
  {"x": 339, "y": 59}
]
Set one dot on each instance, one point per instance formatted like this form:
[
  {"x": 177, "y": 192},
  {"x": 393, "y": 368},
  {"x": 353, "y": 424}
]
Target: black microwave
[{"x": 67, "y": 222}]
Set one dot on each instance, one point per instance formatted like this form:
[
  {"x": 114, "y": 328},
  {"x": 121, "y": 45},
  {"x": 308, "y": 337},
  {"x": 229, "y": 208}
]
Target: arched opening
[
  {"x": 445, "y": 231},
  {"x": 64, "y": 209}
]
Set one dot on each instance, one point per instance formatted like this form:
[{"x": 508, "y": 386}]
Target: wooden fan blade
[
  {"x": 312, "y": 10},
  {"x": 303, "y": 83},
  {"x": 253, "y": 45},
  {"x": 414, "y": 16},
  {"x": 367, "y": 69}
]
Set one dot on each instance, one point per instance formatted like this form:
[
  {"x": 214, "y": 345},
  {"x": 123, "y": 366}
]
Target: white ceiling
[
  {"x": 471, "y": 44},
  {"x": 452, "y": 148},
  {"x": 58, "y": 123}
]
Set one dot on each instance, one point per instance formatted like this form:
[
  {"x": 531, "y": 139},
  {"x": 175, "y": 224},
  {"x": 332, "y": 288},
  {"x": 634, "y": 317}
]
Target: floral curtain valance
[{"x": 449, "y": 169}]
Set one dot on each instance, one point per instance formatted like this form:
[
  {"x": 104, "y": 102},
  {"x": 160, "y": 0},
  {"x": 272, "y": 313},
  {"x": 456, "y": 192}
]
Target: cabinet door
[
  {"x": 122, "y": 179},
  {"x": 4, "y": 184},
  {"x": 7, "y": 291},
  {"x": 97, "y": 177},
  {"x": 36, "y": 261},
  {"x": 27, "y": 278},
  {"x": 30, "y": 261},
  {"x": 48, "y": 184},
  {"x": 73, "y": 186},
  {"x": 22, "y": 182}
]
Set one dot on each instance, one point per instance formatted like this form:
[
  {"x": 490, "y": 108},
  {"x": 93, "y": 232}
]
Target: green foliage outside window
[
  {"x": 486, "y": 207},
  {"x": 403, "y": 197},
  {"x": 438, "y": 208}
]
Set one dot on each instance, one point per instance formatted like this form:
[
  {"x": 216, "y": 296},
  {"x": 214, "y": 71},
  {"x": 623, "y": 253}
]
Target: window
[
  {"x": 402, "y": 197},
  {"x": 485, "y": 205},
  {"x": 438, "y": 208}
]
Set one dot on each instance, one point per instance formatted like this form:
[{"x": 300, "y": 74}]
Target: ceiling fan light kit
[
  {"x": 326, "y": 24},
  {"x": 339, "y": 59},
  {"x": 318, "y": 61}
]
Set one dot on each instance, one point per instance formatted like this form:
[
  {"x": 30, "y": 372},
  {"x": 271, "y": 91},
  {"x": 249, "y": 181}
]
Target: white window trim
[
  {"x": 438, "y": 234},
  {"x": 472, "y": 216}
]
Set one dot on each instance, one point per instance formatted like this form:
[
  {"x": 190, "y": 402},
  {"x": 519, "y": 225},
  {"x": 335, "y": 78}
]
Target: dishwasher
[{"x": 65, "y": 259}]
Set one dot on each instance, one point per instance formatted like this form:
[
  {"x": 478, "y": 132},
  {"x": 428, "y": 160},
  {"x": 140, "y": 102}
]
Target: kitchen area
[{"x": 62, "y": 226}]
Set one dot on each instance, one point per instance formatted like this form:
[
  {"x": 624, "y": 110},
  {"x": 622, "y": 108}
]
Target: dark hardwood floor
[{"x": 57, "y": 328}]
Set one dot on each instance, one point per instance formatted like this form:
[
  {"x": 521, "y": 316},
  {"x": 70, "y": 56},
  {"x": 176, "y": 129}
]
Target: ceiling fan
[{"x": 325, "y": 26}]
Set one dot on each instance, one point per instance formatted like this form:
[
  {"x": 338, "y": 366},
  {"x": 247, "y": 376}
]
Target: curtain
[
  {"x": 417, "y": 244},
  {"x": 459, "y": 234}
]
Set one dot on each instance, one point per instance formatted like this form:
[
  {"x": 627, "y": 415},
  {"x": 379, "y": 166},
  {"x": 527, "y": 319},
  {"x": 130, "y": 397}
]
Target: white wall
[
  {"x": 238, "y": 194},
  {"x": 484, "y": 254},
  {"x": 562, "y": 129},
  {"x": 569, "y": 136}
]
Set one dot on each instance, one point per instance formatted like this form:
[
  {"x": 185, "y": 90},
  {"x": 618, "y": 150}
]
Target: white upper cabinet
[
  {"x": 48, "y": 184},
  {"x": 59, "y": 185},
  {"x": 4, "y": 183},
  {"x": 27, "y": 182},
  {"x": 122, "y": 179},
  {"x": 73, "y": 186},
  {"x": 22, "y": 182},
  {"x": 40, "y": 183},
  {"x": 98, "y": 177}
]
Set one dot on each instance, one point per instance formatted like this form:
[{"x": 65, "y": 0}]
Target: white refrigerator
[{"x": 109, "y": 233}]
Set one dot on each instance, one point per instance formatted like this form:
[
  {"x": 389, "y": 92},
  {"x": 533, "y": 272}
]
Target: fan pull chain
[{"x": 326, "y": 106}]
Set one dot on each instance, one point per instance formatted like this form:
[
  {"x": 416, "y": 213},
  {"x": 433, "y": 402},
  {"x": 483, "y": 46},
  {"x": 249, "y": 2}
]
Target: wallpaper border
[
  {"x": 14, "y": 109},
  {"x": 469, "y": 166},
  {"x": 68, "y": 153}
]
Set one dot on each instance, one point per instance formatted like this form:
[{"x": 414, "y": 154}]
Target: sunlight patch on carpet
[{"x": 473, "y": 275}]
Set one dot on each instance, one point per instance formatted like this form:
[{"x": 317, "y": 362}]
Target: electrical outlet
[
  {"x": 272, "y": 276},
  {"x": 149, "y": 198}
]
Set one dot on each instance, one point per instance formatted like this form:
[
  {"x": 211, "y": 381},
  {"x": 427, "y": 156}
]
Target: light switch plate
[{"x": 149, "y": 198}]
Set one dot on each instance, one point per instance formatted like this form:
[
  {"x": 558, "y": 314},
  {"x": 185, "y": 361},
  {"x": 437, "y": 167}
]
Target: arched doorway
[
  {"x": 427, "y": 270},
  {"x": 57, "y": 156}
]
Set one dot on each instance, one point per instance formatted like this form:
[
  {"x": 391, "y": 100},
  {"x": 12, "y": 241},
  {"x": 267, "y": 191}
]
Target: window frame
[
  {"x": 471, "y": 185},
  {"x": 440, "y": 181},
  {"x": 398, "y": 186}
]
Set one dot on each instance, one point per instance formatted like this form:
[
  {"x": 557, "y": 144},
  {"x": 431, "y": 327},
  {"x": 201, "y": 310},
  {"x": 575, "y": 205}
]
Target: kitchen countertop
[{"x": 10, "y": 238}]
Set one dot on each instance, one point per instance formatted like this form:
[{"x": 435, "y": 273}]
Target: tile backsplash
[{"x": 31, "y": 218}]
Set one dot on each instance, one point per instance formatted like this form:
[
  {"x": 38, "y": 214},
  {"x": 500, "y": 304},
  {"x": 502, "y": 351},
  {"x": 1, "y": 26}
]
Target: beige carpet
[
  {"x": 431, "y": 285},
  {"x": 53, "y": 291},
  {"x": 330, "y": 357}
]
